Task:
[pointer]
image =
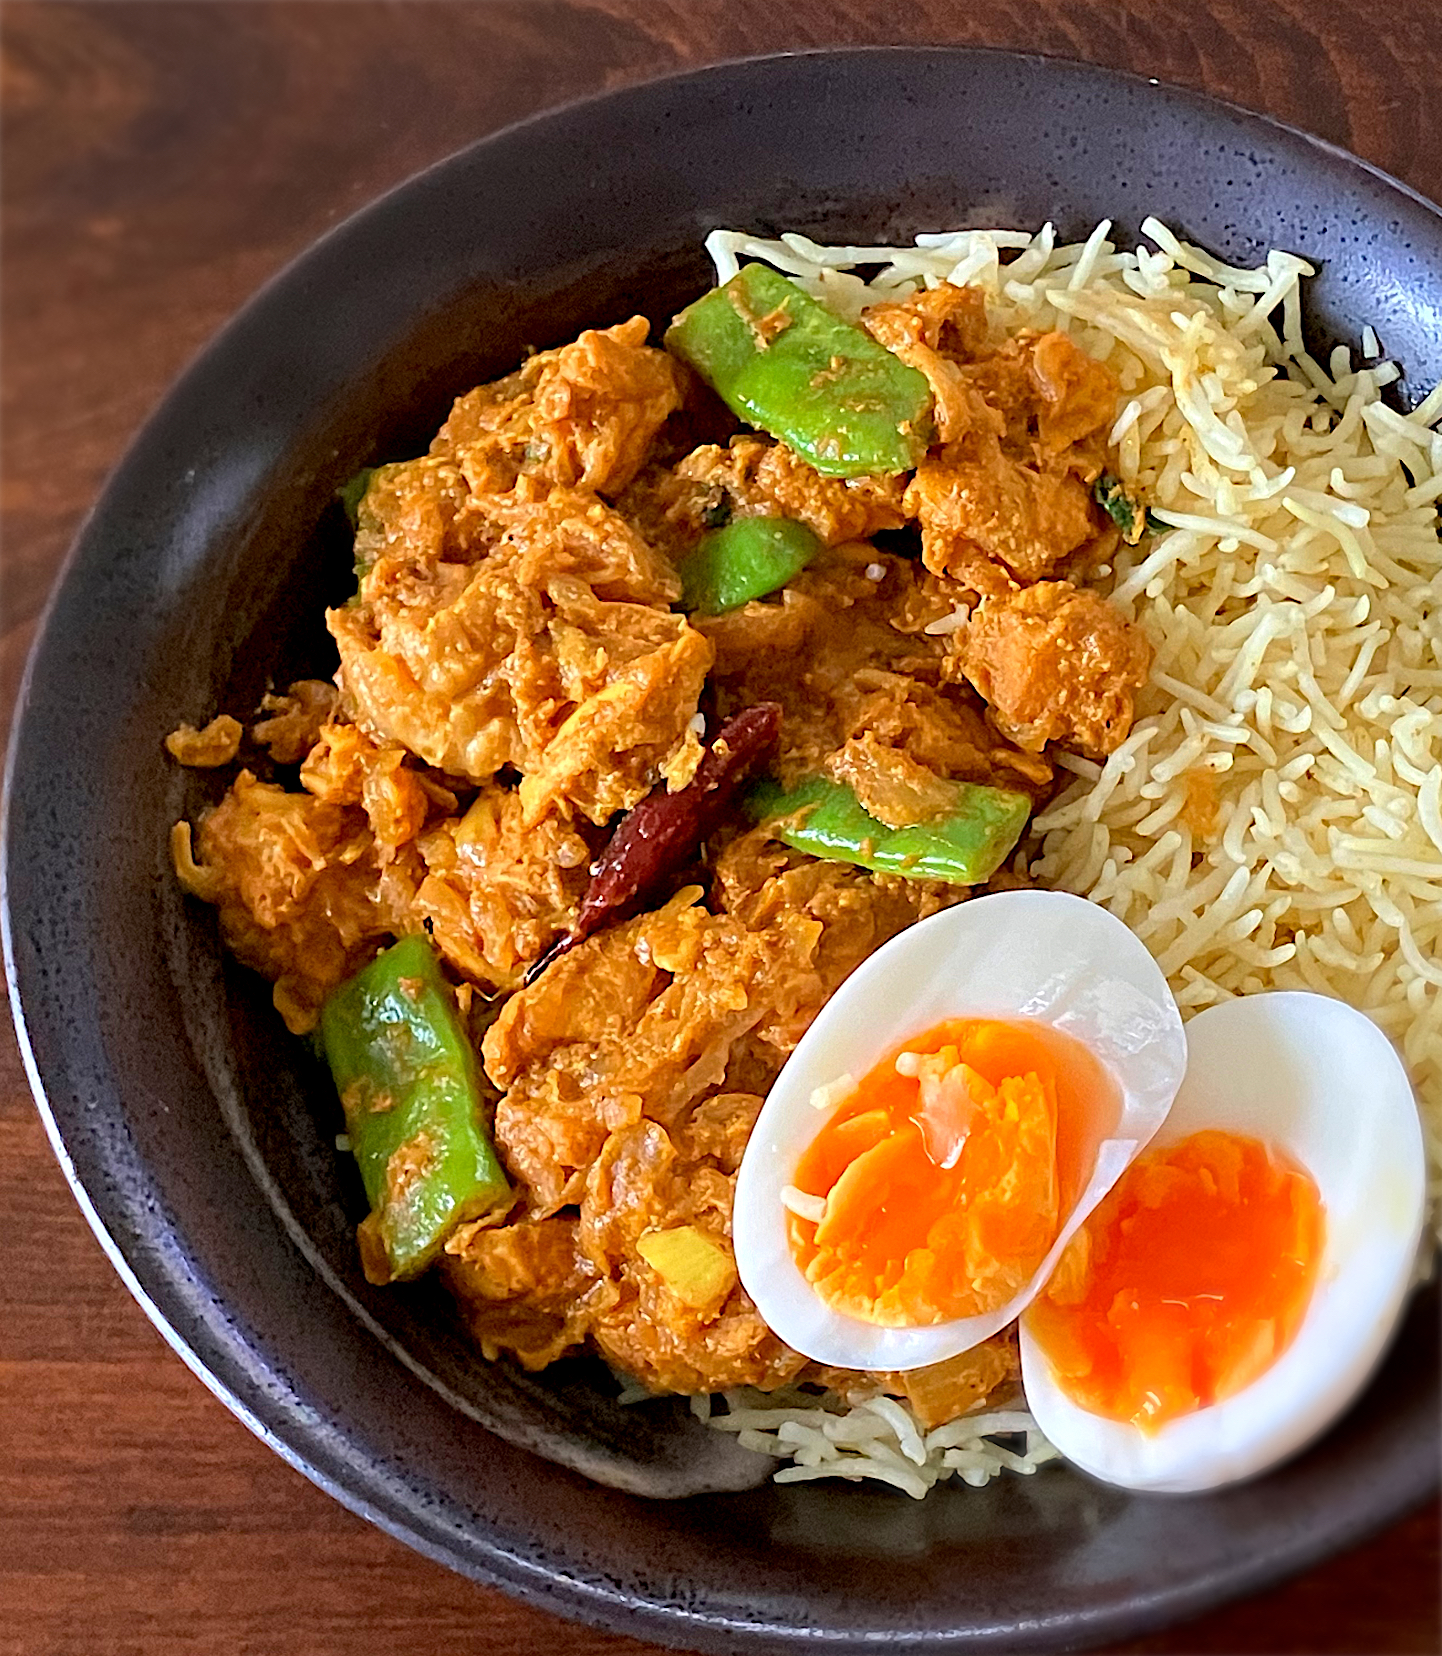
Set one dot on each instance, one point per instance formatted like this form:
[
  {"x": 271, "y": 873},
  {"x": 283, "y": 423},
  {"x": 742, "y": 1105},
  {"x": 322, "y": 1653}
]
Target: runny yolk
[
  {"x": 1187, "y": 1282},
  {"x": 942, "y": 1174}
]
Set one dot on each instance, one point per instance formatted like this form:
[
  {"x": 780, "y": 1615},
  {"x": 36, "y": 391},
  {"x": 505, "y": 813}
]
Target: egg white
[
  {"x": 1041, "y": 955},
  {"x": 1319, "y": 1080}
]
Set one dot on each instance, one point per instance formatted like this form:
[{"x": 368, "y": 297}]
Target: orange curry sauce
[
  {"x": 946, "y": 1182},
  {"x": 1189, "y": 1280}
]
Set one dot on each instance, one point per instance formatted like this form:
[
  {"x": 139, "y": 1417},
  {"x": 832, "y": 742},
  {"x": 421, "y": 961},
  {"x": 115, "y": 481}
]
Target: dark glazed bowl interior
[{"x": 199, "y": 1137}]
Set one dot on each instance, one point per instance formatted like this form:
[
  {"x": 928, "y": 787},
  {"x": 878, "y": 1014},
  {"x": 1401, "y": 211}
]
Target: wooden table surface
[{"x": 161, "y": 161}]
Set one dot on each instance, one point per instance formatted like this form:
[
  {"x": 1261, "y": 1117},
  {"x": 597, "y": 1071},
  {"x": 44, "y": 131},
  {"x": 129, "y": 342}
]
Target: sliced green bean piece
[
  {"x": 964, "y": 846},
  {"x": 747, "y": 559},
  {"x": 790, "y": 366},
  {"x": 408, "y": 1083}
]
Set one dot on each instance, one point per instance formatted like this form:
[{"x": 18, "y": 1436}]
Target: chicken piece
[
  {"x": 754, "y": 477},
  {"x": 935, "y": 332},
  {"x": 308, "y": 882},
  {"x": 646, "y": 1018},
  {"x": 758, "y": 478},
  {"x": 524, "y": 1288},
  {"x": 493, "y": 892},
  {"x": 901, "y": 733},
  {"x": 646, "y": 1339},
  {"x": 1055, "y": 399},
  {"x": 1078, "y": 393},
  {"x": 293, "y": 721},
  {"x": 719, "y": 1127},
  {"x": 941, "y": 730},
  {"x": 891, "y": 785},
  {"x": 345, "y": 767},
  {"x": 639, "y": 1019},
  {"x": 641, "y": 1183},
  {"x": 582, "y": 416},
  {"x": 217, "y": 744},
  {"x": 616, "y": 743},
  {"x": 1005, "y": 498},
  {"x": 415, "y": 510},
  {"x": 945, "y": 318},
  {"x": 848, "y": 658},
  {"x": 553, "y": 652},
  {"x": 1056, "y": 663},
  {"x": 761, "y": 882},
  {"x": 554, "y": 1118},
  {"x": 971, "y": 498},
  {"x": 295, "y": 881},
  {"x": 1043, "y": 396}
]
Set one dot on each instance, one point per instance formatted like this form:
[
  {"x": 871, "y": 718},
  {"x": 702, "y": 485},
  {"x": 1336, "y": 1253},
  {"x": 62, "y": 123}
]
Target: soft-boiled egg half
[
  {"x": 990, "y": 1121},
  {"x": 946, "y": 1024},
  {"x": 1233, "y": 1294}
]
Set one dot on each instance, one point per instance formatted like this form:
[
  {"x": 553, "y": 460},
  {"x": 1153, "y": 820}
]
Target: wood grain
[{"x": 160, "y": 162}]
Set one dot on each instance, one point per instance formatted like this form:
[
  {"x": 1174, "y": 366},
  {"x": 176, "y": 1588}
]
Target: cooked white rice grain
[{"x": 879, "y": 1439}]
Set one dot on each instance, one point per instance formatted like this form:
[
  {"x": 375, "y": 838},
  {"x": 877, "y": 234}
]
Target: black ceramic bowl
[{"x": 199, "y": 1137}]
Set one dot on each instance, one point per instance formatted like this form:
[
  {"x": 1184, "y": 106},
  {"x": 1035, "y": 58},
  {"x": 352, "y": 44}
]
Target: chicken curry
[{"x": 655, "y": 716}]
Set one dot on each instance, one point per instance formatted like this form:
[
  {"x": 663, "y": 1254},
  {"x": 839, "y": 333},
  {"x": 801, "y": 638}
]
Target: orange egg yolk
[
  {"x": 946, "y": 1172},
  {"x": 1187, "y": 1282}
]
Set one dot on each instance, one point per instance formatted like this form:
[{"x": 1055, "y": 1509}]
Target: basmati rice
[{"x": 878, "y": 1439}]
